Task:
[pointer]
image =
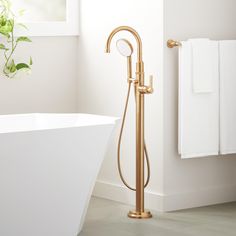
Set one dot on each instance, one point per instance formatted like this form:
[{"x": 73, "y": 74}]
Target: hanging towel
[
  {"x": 203, "y": 53},
  {"x": 198, "y": 112},
  {"x": 227, "y": 97}
]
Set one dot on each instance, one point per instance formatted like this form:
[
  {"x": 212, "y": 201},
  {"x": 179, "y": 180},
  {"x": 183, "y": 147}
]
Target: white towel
[
  {"x": 203, "y": 52},
  {"x": 198, "y": 112},
  {"x": 227, "y": 97}
]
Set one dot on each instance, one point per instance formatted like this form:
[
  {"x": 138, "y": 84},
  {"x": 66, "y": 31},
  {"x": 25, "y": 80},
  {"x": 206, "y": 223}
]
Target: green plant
[{"x": 9, "y": 46}]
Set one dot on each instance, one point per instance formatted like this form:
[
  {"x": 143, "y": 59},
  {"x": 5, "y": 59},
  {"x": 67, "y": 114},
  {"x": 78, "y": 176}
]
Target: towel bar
[{"x": 172, "y": 43}]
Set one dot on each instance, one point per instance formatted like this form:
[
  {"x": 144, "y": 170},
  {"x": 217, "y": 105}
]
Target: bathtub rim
[{"x": 110, "y": 120}]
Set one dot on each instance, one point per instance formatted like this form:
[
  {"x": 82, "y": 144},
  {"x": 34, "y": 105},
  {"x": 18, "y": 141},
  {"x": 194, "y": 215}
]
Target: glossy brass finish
[
  {"x": 140, "y": 91},
  {"x": 172, "y": 43}
]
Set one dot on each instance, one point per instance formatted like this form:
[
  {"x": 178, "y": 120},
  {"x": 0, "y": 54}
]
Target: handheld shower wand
[{"x": 126, "y": 49}]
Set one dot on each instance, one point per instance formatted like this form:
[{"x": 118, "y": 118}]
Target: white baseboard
[
  {"x": 118, "y": 193},
  {"x": 199, "y": 198},
  {"x": 171, "y": 202}
]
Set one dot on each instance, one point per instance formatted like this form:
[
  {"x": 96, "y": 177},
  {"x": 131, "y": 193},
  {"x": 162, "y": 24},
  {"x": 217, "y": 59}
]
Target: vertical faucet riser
[{"x": 140, "y": 91}]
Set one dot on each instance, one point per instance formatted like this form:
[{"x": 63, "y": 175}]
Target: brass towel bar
[{"x": 172, "y": 43}]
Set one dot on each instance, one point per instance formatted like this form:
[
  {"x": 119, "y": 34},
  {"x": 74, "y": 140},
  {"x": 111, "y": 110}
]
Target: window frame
[{"x": 70, "y": 27}]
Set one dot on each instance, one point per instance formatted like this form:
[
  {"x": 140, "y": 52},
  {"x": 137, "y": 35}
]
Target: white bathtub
[{"x": 48, "y": 167}]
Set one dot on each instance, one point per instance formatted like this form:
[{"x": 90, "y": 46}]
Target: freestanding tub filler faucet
[{"x": 126, "y": 49}]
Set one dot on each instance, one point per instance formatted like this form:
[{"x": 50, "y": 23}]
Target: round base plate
[{"x": 140, "y": 215}]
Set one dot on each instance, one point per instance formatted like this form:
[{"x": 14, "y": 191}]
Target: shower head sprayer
[{"x": 124, "y": 47}]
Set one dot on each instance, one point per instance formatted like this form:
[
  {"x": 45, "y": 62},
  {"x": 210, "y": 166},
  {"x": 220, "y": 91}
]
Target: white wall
[
  {"x": 175, "y": 183},
  {"x": 201, "y": 181},
  {"x": 102, "y": 87},
  {"x": 52, "y": 86}
]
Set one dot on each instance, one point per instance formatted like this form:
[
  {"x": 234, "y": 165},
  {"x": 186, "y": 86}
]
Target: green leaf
[
  {"x": 22, "y": 66},
  {"x": 2, "y": 47},
  {"x": 12, "y": 67},
  {"x": 23, "y": 39},
  {"x": 21, "y": 12},
  {"x": 31, "y": 61},
  {"x": 7, "y": 27},
  {"x": 3, "y": 20},
  {"x": 23, "y": 26}
]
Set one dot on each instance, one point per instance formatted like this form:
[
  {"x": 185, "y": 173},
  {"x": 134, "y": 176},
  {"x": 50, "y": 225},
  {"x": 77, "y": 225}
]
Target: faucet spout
[{"x": 133, "y": 32}]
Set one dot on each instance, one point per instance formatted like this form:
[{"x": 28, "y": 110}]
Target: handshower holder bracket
[{"x": 132, "y": 80}]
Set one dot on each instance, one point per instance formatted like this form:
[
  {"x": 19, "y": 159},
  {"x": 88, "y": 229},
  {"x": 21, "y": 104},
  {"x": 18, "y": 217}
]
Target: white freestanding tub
[{"x": 48, "y": 167}]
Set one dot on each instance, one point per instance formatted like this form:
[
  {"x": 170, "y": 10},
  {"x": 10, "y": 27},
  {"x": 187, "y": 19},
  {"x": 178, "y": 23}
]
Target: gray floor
[{"x": 107, "y": 218}]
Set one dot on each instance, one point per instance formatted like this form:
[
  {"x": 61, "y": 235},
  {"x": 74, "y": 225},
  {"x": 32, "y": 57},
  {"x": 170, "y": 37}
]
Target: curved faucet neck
[{"x": 133, "y": 32}]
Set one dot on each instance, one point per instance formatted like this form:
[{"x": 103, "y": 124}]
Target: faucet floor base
[{"x": 140, "y": 215}]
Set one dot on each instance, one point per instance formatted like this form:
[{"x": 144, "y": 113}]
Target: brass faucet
[{"x": 140, "y": 91}]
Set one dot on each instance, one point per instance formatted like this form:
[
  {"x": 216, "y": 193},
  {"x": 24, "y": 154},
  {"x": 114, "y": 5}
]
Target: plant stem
[{"x": 13, "y": 47}]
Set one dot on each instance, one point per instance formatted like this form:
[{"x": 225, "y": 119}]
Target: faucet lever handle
[
  {"x": 147, "y": 89},
  {"x": 151, "y": 81},
  {"x": 150, "y": 87}
]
